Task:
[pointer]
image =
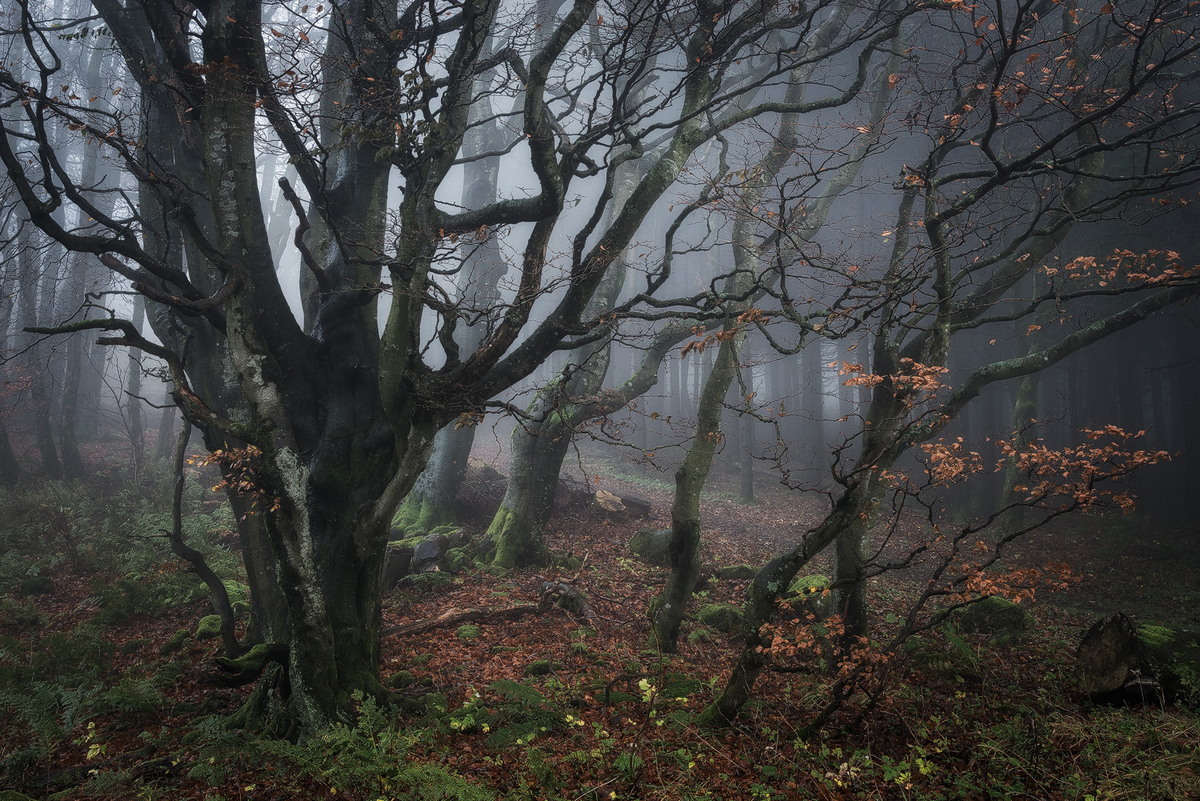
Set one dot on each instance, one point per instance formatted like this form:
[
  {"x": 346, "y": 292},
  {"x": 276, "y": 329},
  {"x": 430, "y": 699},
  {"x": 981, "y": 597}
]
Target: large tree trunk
[{"x": 538, "y": 450}]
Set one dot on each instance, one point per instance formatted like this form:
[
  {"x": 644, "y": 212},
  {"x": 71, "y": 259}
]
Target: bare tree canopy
[{"x": 653, "y": 171}]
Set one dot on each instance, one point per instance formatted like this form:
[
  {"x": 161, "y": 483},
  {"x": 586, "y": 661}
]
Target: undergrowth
[{"x": 90, "y": 705}]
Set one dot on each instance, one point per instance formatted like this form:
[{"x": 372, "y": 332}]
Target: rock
[
  {"x": 209, "y": 627},
  {"x": 999, "y": 617},
  {"x": 427, "y": 582},
  {"x": 427, "y": 556},
  {"x": 401, "y": 679},
  {"x": 457, "y": 560},
  {"x": 177, "y": 641},
  {"x": 735, "y": 572},
  {"x": 814, "y": 593},
  {"x": 13, "y": 795},
  {"x": 1174, "y": 655},
  {"x": 1121, "y": 662},
  {"x": 397, "y": 563},
  {"x": 722, "y": 617},
  {"x": 36, "y": 585},
  {"x": 652, "y": 545},
  {"x": 239, "y": 597},
  {"x": 541, "y": 667},
  {"x": 1108, "y": 656}
]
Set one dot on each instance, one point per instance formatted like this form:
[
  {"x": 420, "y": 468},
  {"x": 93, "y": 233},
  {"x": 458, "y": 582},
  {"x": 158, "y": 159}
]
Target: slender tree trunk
[
  {"x": 68, "y": 421},
  {"x": 166, "y": 430},
  {"x": 10, "y": 468},
  {"x": 766, "y": 589},
  {"x": 667, "y": 609},
  {"x": 133, "y": 393},
  {"x": 31, "y": 297}
]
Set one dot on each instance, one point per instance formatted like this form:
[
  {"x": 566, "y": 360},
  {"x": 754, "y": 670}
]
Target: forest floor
[{"x": 546, "y": 707}]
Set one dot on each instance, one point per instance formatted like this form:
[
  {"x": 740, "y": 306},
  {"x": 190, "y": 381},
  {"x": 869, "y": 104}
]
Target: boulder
[
  {"x": 209, "y": 627},
  {"x": 652, "y": 546},
  {"x": 998, "y": 617},
  {"x": 725, "y": 618},
  {"x": 813, "y": 593},
  {"x": 735, "y": 572},
  {"x": 1119, "y": 661},
  {"x": 36, "y": 585},
  {"x": 427, "y": 556}
]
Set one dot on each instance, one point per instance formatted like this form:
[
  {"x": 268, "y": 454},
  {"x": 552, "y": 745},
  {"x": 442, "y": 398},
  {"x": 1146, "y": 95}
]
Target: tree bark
[{"x": 667, "y": 609}]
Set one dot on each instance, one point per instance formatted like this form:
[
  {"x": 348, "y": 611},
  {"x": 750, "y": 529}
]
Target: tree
[
  {"x": 335, "y": 417},
  {"x": 1047, "y": 115}
]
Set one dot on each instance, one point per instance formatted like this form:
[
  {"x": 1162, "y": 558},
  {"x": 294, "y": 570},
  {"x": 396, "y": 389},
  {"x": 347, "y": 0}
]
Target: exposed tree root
[
  {"x": 553, "y": 594},
  {"x": 249, "y": 666}
]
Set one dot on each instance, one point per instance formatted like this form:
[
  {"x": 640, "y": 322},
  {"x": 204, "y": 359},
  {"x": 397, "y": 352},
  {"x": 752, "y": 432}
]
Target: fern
[{"x": 518, "y": 693}]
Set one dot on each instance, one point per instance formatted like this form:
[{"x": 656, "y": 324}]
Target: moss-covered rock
[
  {"x": 652, "y": 546},
  {"x": 1174, "y": 656},
  {"x": 401, "y": 679},
  {"x": 457, "y": 560},
  {"x": 239, "y": 597},
  {"x": 36, "y": 585},
  {"x": 134, "y": 645},
  {"x": 429, "y": 581},
  {"x": 209, "y": 627},
  {"x": 568, "y": 562},
  {"x": 735, "y": 572},
  {"x": 13, "y": 795},
  {"x": 541, "y": 667},
  {"x": 1119, "y": 661},
  {"x": 177, "y": 642},
  {"x": 722, "y": 617},
  {"x": 814, "y": 593},
  {"x": 1000, "y": 618}
]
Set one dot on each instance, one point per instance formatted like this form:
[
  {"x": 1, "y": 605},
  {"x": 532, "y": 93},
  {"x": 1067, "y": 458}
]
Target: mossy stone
[
  {"x": 209, "y": 627},
  {"x": 998, "y": 617},
  {"x": 808, "y": 585},
  {"x": 135, "y": 645},
  {"x": 541, "y": 667},
  {"x": 652, "y": 546},
  {"x": 401, "y": 679},
  {"x": 176, "y": 643},
  {"x": 430, "y": 581},
  {"x": 36, "y": 585},
  {"x": 13, "y": 795},
  {"x": 722, "y": 617},
  {"x": 1155, "y": 636},
  {"x": 568, "y": 562},
  {"x": 239, "y": 597},
  {"x": 457, "y": 560},
  {"x": 736, "y": 572}
]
